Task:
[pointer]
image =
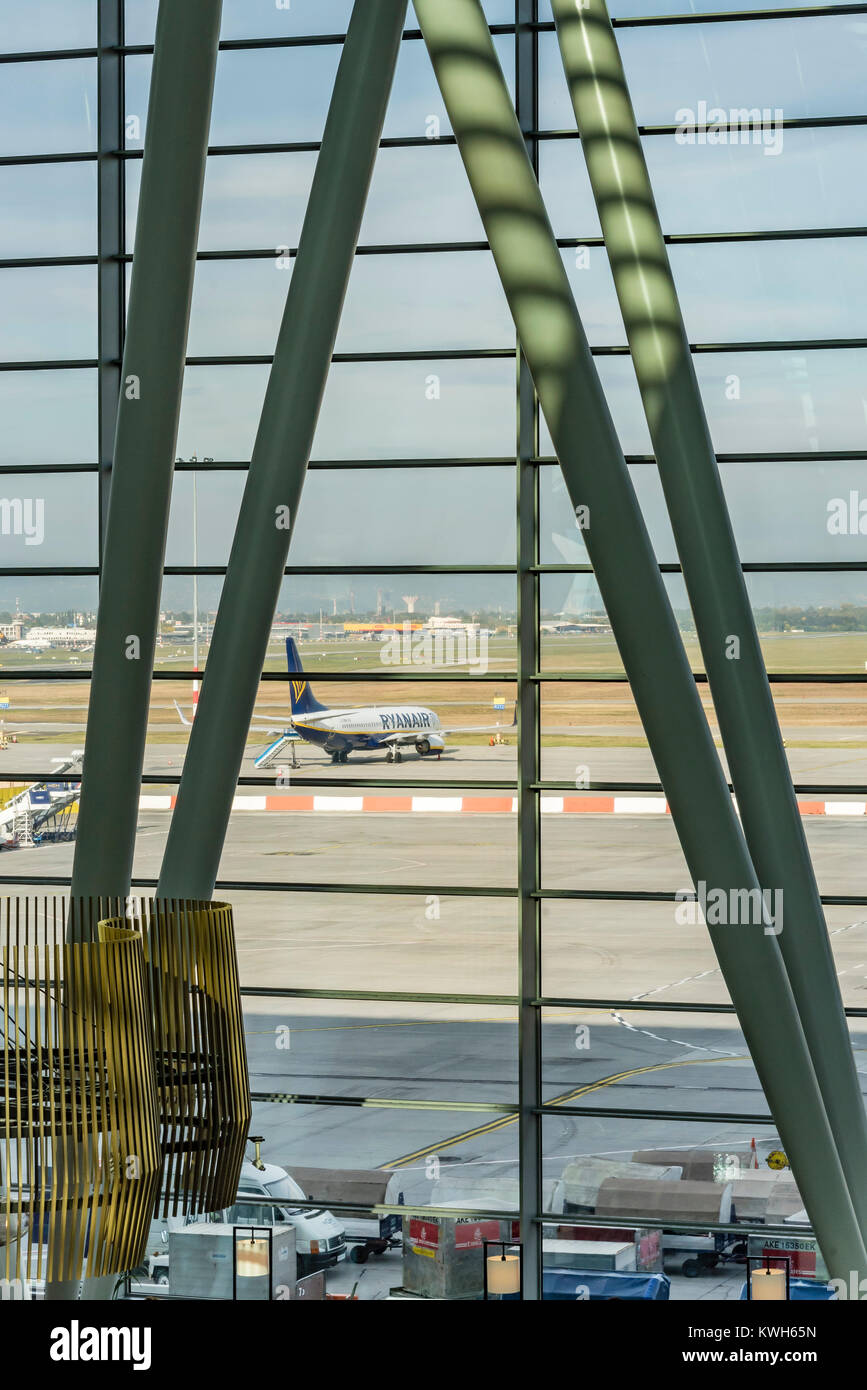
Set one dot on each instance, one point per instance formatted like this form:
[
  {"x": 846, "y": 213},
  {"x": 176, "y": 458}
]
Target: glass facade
[{"x": 473, "y": 971}]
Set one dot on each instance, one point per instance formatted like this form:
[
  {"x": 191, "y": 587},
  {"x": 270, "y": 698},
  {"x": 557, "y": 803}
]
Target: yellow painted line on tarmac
[{"x": 567, "y": 1096}]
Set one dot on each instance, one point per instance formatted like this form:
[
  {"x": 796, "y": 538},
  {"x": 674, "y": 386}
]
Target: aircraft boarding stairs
[
  {"x": 24, "y": 818},
  {"x": 288, "y": 739}
]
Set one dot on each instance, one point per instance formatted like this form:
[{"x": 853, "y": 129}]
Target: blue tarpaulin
[{"x": 569, "y": 1285}]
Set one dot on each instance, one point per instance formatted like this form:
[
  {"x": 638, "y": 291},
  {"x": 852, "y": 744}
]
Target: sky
[{"x": 814, "y": 400}]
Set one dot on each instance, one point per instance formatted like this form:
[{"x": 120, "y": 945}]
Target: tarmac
[{"x": 413, "y": 930}]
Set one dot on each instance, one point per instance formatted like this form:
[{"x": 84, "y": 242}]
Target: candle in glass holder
[{"x": 768, "y": 1284}]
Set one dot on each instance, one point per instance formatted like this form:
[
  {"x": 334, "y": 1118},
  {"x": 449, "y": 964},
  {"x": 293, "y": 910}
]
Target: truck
[{"x": 366, "y": 1235}]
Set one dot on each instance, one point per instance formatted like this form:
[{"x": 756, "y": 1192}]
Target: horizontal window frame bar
[
  {"x": 291, "y": 571},
  {"x": 727, "y": 16},
  {"x": 503, "y": 677},
  {"x": 159, "y": 779},
  {"x": 144, "y": 50},
  {"x": 66, "y": 157},
  {"x": 505, "y": 1108},
  {"x": 49, "y": 571},
  {"x": 641, "y": 895},
  {"x": 385, "y": 1209},
  {"x": 47, "y": 364},
  {"x": 363, "y": 465},
  {"x": 649, "y": 131},
  {"x": 406, "y": 141},
  {"x": 564, "y": 1002},
  {"x": 277, "y": 886},
  {"x": 777, "y": 456},
  {"x": 421, "y": 248},
  {"x": 503, "y": 353},
  {"x": 500, "y": 1000},
  {"x": 174, "y": 571},
  {"x": 649, "y": 1006},
  {"x": 36, "y": 470},
  {"x": 628, "y": 1112},
  {"x": 375, "y": 996},
  {"x": 435, "y": 354},
  {"x": 680, "y": 1227},
  {"x": 700, "y": 677},
  {"x": 391, "y": 890},
  {"x": 169, "y": 779},
  {"x": 269, "y": 41},
  {"x": 382, "y": 1103},
  {"x": 323, "y": 571},
  {"x": 278, "y": 677},
  {"x": 489, "y": 461},
  {"x": 747, "y": 567},
  {"x": 657, "y": 789}
]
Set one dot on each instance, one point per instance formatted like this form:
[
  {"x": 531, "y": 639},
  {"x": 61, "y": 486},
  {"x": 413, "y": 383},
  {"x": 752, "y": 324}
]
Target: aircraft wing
[
  {"x": 482, "y": 728},
  {"x": 255, "y": 727}
]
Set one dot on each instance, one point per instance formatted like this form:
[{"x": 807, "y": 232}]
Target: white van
[{"x": 320, "y": 1240}]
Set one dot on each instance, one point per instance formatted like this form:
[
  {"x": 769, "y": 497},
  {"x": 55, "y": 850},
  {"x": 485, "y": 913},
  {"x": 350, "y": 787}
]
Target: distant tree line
[{"x": 847, "y": 617}]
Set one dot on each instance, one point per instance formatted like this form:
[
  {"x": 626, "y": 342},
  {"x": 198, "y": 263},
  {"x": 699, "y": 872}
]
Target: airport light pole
[
  {"x": 302, "y": 359},
  {"x": 179, "y": 113},
  {"x": 537, "y": 288},
  {"x": 709, "y": 558}
]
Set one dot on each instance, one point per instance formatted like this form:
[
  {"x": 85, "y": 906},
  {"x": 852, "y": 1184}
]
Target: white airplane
[{"x": 369, "y": 728}]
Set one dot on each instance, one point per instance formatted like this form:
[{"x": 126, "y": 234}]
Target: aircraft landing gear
[
  {"x": 394, "y": 755},
  {"x": 340, "y": 756}
]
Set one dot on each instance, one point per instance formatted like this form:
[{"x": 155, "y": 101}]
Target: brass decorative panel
[
  {"x": 79, "y": 1150},
  {"x": 203, "y": 1091}
]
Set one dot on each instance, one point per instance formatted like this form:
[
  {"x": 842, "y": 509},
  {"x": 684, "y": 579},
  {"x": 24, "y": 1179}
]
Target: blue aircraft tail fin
[{"x": 302, "y": 699}]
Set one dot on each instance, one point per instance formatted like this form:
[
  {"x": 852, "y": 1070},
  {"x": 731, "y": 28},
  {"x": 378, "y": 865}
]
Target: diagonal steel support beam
[
  {"x": 280, "y": 455},
  {"x": 151, "y": 380},
  {"x": 709, "y": 558},
  {"x": 179, "y": 115},
  {"x": 534, "y": 278}
]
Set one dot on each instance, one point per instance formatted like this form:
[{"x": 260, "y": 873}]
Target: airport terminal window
[{"x": 389, "y": 914}]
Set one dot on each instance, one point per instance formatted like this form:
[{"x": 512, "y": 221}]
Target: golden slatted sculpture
[
  {"x": 203, "y": 1090},
  {"x": 79, "y": 1150}
]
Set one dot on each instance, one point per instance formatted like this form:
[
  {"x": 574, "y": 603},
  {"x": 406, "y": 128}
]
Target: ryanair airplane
[
  {"x": 367, "y": 729},
  {"x": 370, "y": 728}
]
